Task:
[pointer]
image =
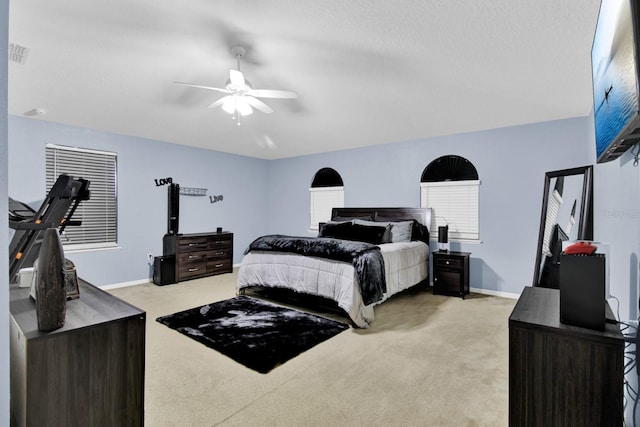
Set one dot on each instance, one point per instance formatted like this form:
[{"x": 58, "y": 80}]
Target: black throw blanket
[{"x": 366, "y": 258}]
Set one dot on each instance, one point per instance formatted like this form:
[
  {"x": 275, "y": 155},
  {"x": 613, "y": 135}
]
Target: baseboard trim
[
  {"x": 125, "y": 284},
  {"x": 509, "y": 295}
]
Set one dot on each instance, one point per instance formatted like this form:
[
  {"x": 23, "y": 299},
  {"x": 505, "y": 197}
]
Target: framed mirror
[{"x": 567, "y": 215}]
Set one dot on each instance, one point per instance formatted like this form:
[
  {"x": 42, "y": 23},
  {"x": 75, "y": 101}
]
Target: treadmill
[{"x": 55, "y": 212}]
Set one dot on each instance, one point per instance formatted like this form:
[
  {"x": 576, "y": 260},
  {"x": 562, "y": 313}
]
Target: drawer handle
[
  {"x": 191, "y": 270},
  {"x": 219, "y": 253},
  {"x": 193, "y": 256},
  {"x": 219, "y": 265}
]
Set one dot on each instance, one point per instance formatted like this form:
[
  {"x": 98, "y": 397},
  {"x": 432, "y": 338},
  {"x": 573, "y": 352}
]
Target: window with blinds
[
  {"x": 324, "y": 199},
  {"x": 454, "y": 203},
  {"x": 326, "y": 193},
  {"x": 98, "y": 215},
  {"x": 450, "y": 186}
]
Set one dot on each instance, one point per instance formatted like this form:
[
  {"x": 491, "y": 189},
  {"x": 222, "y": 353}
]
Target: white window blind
[
  {"x": 98, "y": 214},
  {"x": 454, "y": 203},
  {"x": 323, "y": 199}
]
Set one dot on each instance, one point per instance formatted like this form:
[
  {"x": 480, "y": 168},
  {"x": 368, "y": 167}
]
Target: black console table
[{"x": 562, "y": 375}]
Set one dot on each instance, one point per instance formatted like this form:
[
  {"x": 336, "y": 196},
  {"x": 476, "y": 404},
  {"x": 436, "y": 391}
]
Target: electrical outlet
[{"x": 150, "y": 258}]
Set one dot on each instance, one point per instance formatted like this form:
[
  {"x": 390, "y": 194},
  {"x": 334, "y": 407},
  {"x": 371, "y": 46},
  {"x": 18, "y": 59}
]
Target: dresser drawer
[
  {"x": 219, "y": 266},
  {"x": 221, "y": 253},
  {"x": 220, "y": 243},
  {"x": 192, "y": 269},
  {"x": 191, "y": 244},
  {"x": 187, "y": 257}
]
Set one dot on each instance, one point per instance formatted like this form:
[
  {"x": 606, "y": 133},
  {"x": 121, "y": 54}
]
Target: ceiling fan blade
[
  {"x": 259, "y": 105},
  {"x": 236, "y": 78},
  {"x": 267, "y": 93},
  {"x": 217, "y": 89},
  {"x": 218, "y": 102}
]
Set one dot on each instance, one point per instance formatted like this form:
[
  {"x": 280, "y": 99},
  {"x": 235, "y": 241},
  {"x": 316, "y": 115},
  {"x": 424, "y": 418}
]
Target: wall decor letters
[
  {"x": 215, "y": 199},
  {"x": 163, "y": 181}
]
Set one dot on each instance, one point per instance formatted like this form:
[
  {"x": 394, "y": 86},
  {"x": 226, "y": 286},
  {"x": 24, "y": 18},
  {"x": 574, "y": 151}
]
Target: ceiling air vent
[{"x": 18, "y": 53}]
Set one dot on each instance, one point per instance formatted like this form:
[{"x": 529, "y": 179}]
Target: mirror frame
[{"x": 585, "y": 219}]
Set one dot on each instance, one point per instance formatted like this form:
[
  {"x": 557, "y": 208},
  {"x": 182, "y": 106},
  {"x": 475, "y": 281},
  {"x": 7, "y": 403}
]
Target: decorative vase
[{"x": 51, "y": 294}]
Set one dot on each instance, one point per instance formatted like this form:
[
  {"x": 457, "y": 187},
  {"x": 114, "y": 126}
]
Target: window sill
[
  {"x": 471, "y": 242},
  {"x": 89, "y": 248}
]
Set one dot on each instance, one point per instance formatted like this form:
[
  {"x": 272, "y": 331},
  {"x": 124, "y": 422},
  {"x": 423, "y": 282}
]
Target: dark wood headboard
[{"x": 422, "y": 215}]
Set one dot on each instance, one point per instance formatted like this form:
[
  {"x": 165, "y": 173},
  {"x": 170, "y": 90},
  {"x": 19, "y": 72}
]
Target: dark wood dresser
[
  {"x": 90, "y": 372},
  {"x": 200, "y": 254},
  {"x": 562, "y": 375}
]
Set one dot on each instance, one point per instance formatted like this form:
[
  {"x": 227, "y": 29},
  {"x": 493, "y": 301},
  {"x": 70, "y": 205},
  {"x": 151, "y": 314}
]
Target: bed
[{"x": 373, "y": 260}]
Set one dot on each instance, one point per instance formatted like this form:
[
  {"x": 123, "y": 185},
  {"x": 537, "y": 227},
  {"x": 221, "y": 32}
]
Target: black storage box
[
  {"x": 582, "y": 290},
  {"x": 164, "y": 270}
]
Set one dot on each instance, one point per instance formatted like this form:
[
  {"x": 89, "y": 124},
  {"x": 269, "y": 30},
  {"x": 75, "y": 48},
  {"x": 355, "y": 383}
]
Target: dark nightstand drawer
[{"x": 449, "y": 262}]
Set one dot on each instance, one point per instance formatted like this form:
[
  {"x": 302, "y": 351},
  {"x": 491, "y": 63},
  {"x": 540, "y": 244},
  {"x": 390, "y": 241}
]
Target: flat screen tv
[{"x": 614, "y": 65}]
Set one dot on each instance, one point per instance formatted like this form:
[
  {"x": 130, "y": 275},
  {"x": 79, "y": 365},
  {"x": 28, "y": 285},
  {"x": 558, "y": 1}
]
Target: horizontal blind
[
  {"x": 454, "y": 203},
  {"x": 555, "y": 201},
  {"x": 323, "y": 199},
  {"x": 98, "y": 214}
]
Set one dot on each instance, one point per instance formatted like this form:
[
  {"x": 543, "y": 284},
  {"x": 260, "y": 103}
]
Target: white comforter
[{"x": 406, "y": 264}]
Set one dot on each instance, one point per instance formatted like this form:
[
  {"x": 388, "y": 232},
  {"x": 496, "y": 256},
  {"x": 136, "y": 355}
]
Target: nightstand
[{"x": 451, "y": 273}]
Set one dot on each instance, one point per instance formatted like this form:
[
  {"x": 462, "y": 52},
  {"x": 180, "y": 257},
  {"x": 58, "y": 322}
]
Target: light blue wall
[
  {"x": 273, "y": 196},
  {"x": 511, "y": 164},
  {"x": 4, "y": 249},
  {"x": 142, "y": 206},
  {"x": 617, "y": 222}
]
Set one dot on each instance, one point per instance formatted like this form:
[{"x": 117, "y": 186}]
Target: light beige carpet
[{"x": 427, "y": 360}]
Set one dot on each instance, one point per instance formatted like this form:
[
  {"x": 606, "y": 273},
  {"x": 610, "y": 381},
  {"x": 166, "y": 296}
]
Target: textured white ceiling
[{"x": 366, "y": 71}]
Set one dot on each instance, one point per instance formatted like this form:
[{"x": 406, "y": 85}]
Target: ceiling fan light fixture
[
  {"x": 243, "y": 106},
  {"x": 229, "y": 105}
]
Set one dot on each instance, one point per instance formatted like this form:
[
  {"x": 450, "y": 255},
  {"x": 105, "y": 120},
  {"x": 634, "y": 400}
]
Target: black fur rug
[{"x": 253, "y": 332}]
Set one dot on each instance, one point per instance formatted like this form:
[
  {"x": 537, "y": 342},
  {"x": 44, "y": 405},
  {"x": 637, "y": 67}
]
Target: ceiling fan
[{"x": 241, "y": 98}]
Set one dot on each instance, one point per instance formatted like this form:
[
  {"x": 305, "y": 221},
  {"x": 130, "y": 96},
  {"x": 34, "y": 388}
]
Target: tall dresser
[
  {"x": 200, "y": 254},
  {"x": 562, "y": 375}
]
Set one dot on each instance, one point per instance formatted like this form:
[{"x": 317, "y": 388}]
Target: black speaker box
[
  {"x": 173, "y": 208},
  {"x": 164, "y": 270},
  {"x": 582, "y": 290}
]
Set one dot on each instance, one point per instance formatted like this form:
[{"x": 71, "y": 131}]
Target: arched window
[
  {"x": 327, "y": 192},
  {"x": 450, "y": 186}
]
